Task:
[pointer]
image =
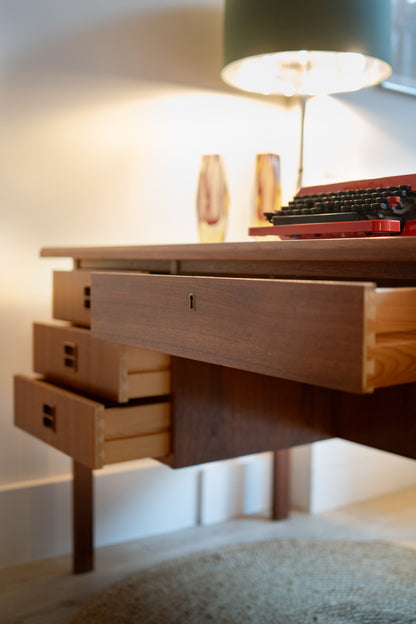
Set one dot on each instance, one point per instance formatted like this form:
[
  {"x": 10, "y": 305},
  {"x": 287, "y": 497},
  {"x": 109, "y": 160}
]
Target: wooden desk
[{"x": 272, "y": 344}]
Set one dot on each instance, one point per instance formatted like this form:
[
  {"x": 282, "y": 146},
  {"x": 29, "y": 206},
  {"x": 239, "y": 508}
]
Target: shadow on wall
[{"x": 181, "y": 46}]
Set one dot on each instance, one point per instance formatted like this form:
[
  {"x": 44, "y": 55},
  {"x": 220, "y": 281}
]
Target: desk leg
[
  {"x": 82, "y": 517},
  {"x": 280, "y": 497}
]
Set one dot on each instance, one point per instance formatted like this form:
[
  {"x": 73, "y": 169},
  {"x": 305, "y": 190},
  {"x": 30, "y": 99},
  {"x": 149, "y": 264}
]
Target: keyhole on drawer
[
  {"x": 192, "y": 302},
  {"x": 49, "y": 419}
]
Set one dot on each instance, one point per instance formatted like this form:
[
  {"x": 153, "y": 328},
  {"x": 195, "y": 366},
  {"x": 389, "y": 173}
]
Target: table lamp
[{"x": 304, "y": 48}]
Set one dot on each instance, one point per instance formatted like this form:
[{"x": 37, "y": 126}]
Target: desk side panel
[
  {"x": 220, "y": 413},
  {"x": 384, "y": 420}
]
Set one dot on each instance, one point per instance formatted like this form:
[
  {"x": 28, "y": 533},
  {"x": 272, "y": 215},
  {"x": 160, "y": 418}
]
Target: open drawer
[
  {"x": 70, "y": 356},
  {"x": 93, "y": 433},
  {"x": 349, "y": 336}
]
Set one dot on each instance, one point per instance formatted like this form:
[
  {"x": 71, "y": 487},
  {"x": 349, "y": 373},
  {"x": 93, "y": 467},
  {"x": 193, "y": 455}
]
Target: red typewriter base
[{"x": 338, "y": 229}]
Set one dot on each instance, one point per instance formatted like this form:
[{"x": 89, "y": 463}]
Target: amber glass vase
[
  {"x": 212, "y": 199},
  {"x": 268, "y": 190}
]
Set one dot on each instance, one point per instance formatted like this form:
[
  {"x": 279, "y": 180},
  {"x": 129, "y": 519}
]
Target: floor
[{"x": 45, "y": 592}]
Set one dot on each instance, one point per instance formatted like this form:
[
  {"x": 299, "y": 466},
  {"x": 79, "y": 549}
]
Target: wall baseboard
[
  {"x": 344, "y": 473},
  {"x": 132, "y": 500},
  {"x": 129, "y": 503},
  {"x": 140, "y": 499}
]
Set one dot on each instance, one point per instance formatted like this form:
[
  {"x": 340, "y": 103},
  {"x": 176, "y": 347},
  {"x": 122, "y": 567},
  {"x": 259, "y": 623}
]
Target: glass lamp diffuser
[{"x": 306, "y": 48}]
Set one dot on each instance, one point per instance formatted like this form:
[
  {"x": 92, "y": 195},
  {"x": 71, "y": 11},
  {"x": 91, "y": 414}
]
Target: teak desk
[{"x": 270, "y": 345}]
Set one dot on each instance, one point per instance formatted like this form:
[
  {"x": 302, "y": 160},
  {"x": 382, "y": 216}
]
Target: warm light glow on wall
[{"x": 134, "y": 157}]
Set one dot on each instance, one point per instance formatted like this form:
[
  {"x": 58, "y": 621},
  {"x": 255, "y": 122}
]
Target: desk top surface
[
  {"x": 394, "y": 249},
  {"x": 388, "y": 261}
]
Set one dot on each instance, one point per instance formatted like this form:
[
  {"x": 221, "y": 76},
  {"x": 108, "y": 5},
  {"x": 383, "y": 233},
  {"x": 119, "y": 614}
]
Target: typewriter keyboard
[
  {"x": 393, "y": 202},
  {"x": 376, "y": 207}
]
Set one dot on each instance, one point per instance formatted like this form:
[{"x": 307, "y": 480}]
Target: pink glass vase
[
  {"x": 268, "y": 190},
  {"x": 212, "y": 199}
]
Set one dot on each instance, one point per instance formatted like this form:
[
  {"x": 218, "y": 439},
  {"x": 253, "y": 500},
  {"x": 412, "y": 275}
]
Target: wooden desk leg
[
  {"x": 82, "y": 518},
  {"x": 280, "y": 498}
]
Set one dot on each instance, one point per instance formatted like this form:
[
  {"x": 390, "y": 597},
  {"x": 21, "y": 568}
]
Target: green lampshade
[{"x": 306, "y": 47}]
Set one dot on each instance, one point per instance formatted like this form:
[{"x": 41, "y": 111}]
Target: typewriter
[{"x": 378, "y": 207}]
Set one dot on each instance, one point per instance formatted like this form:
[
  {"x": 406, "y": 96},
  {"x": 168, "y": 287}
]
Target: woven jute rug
[{"x": 276, "y": 582}]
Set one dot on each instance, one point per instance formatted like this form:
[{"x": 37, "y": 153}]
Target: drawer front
[
  {"x": 342, "y": 335},
  {"x": 71, "y": 300},
  {"x": 91, "y": 432},
  {"x": 70, "y": 356},
  {"x": 313, "y": 332}
]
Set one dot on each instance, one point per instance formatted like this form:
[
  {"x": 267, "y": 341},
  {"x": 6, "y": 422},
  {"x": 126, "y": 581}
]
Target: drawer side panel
[
  {"x": 154, "y": 446},
  {"x": 148, "y": 384},
  {"x": 127, "y": 422},
  {"x": 142, "y": 360}
]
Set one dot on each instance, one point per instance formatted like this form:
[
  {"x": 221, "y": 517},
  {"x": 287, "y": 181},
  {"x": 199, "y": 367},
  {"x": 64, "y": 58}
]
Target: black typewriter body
[{"x": 378, "y": 207}]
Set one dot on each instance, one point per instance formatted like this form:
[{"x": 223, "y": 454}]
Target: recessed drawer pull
[
  {"x": 71, "y": 355},
  {"x": 87, "y": 297},
  {"x": 69, "y": 349},
  {"x": 49, "y": 418}
]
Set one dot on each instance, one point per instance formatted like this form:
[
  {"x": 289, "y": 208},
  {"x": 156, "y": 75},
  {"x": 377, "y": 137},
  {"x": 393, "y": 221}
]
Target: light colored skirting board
[
  {"x": 343, "y": 473},
  {"x": 144, "y": 498},
  {"x": 132, "y": 500},
  {"x": 335, "y": 473}
]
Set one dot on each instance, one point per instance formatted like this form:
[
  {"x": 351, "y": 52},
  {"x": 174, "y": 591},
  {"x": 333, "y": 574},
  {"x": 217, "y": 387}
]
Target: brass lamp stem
[{"x": 302, "y": 137}]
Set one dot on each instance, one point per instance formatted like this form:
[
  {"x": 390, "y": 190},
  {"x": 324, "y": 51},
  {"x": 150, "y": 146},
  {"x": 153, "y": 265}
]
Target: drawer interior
[
  {"x": 133, "y": 432},
  {"x": 391, "y": 352}
]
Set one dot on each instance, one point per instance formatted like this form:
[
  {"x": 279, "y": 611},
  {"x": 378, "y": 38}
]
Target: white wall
[
  {"x": 105, "y": 111},
  {"x": 106, "y": 107}
]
